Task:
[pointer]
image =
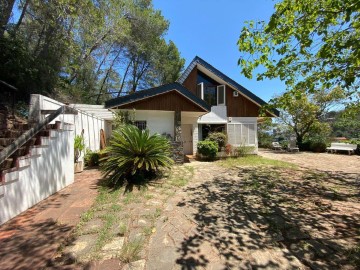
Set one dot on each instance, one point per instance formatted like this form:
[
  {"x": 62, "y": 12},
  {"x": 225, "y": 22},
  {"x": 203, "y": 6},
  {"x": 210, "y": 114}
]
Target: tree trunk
[
  {"x": 6, "y": 7},
  {"x": 299, "y": 140},
  {"x": 22, "y": 14}
]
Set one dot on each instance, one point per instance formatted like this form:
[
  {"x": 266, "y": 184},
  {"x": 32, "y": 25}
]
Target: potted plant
[{"x": 79, "y": 146}]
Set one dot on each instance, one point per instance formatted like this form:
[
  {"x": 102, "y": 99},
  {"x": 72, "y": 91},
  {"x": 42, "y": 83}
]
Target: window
[
  {"x": 221, "y": 95},
  {"x": 140, "y": 125},
  {"x": 211, "y": 94},
  {"x": 241, "y": 134}
]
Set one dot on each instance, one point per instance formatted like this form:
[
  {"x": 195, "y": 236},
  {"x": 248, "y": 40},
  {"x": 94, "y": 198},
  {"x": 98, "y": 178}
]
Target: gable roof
[
  {"x": 197, "y": 60},
  {"x": 144, "y": 94}
]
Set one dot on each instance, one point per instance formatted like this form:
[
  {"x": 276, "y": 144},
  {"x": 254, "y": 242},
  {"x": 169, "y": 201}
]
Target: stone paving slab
[
  {"x": 206, "y": 228},
  {"x": 30, "y": 240}
]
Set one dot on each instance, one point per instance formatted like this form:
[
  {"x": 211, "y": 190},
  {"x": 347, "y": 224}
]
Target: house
[{"x": 202, "y": 100}]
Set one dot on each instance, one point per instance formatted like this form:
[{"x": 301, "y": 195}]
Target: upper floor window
[{"x": 212, "y": 94}]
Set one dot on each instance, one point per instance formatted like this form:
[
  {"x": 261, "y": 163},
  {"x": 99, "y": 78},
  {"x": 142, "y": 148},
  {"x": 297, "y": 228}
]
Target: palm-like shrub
[{"x": 134, "y": 153}]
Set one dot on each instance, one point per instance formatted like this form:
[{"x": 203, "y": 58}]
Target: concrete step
[
  {"x": 7, "y": 164},
  {"x": 22, "y": 151}
]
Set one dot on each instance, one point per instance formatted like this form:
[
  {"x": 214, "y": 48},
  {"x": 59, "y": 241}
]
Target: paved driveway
[{"x": 263, "y": 217}]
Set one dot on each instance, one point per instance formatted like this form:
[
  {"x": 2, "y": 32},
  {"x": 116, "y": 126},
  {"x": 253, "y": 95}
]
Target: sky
[{"x": 210, "y": 29}]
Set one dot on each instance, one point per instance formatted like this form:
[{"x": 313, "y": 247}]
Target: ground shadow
[
  {"x": 311, "y": 215},
  {"x": 33, "y": 247}
]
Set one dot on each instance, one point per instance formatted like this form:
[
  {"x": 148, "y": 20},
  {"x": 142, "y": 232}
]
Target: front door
[{"x": 186, "y": 132}]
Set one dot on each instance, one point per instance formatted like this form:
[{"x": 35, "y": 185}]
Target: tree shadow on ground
[
  {"x": 134, "y": 183},
  {"x": 268, "y": 215},
  {"x": 32, "y": 248}
]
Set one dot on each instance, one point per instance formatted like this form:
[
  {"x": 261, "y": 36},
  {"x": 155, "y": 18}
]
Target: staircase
[
  {"x": 38, "y": 160},
  {"x": 12, "y": 127}
]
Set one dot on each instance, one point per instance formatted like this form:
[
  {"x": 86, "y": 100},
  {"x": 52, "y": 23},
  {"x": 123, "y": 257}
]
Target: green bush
[
  {"x": 284, "y": 144},
  {"x": 219, "y": 138},
  {"x": 318, "y": 146},
  {"x": 92, "y": 158},
  {"x": 357, "y": 142},
  {"x": 243, "y": 150},
  {"x": 134, "y": 154},
  {"x": 79, "y": 146},
  {"x": 208, "y": 149}
]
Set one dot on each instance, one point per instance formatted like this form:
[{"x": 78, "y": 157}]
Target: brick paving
[{"x": 30, "y": 240}]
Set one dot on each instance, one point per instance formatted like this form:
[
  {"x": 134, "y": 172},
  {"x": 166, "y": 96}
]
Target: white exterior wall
[
  {"x": 218, "y": 115},
  {"x": 48, "y": 170},
  {"x": 82, "y": 121},
  {"x": 157, "y": 121}
]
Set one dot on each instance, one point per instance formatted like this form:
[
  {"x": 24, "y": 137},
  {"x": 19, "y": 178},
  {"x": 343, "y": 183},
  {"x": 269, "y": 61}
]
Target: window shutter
[
  {"x": 251, "y": 134},
  {"x": 221, "y": 95},
  {"x": 244, "y": 134},
  {"x": 231, "y": 134}
]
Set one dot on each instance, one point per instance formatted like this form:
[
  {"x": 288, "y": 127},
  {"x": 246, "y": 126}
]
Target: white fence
[{"x": 83, "y": 121}]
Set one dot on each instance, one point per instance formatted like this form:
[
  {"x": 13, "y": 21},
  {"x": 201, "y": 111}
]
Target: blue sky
[{"x": 211, "y": 28}]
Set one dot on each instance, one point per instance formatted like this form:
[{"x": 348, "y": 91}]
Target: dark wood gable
[
  {"x": 169, "y": 101},
  {"x": 239, "y": 106}
]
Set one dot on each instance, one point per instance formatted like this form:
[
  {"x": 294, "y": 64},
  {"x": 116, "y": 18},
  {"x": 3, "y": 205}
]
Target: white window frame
[
  {"x": 224, "y": 92},
  {"x": 202, "y": 90}
]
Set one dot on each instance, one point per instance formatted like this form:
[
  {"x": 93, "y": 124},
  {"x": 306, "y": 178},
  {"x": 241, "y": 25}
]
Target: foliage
[
  {"x": 254, "y": 160},
  {"x": 307, "y": 44},
  {"x": 92, "y": 158},
  {"x": 208, "y": 149},
  {"x": 130, "y": 252},
  {"x": 123, "y": 118},
  {"x": 22, "y": 109},
  {"x": 266, "y": 133},
  {"x": 86, "y": 51},
  {"x": 79, "y": 146},
  {"x": 218, "y": 137},
  {"x": 244, "y": 150},
  {"x": 304, "y": 114},
  {"x": 343, "y": 124},
  {"x": 134, "y": 154}
]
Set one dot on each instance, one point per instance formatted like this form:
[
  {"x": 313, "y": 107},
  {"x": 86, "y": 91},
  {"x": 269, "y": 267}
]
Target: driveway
[
  {"x": 263, "y": 217},
  {"x": 317, "y": 161}
]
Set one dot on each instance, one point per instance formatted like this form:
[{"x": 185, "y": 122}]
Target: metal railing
[{"x": 24, "y": 138}]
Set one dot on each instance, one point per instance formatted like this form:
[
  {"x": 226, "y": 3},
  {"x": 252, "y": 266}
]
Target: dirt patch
[{"x": 317, "y": 161}]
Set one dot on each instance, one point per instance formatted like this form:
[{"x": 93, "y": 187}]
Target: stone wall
[{"x": 177, "y": 152}]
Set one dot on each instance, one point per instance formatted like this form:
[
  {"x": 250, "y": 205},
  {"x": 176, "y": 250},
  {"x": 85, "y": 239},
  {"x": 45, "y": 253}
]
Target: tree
[
  {"x": 6, "y": 7},
  {"x": 305, "y": 114},
  {"x": 344, "y": 126},
  {"x": 310, "y": 45},
  {"x": 86, "y": 51}
]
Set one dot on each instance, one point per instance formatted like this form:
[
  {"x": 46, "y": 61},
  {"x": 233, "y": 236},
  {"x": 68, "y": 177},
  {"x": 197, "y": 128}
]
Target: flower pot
[{"x": 78, "y": 167}]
